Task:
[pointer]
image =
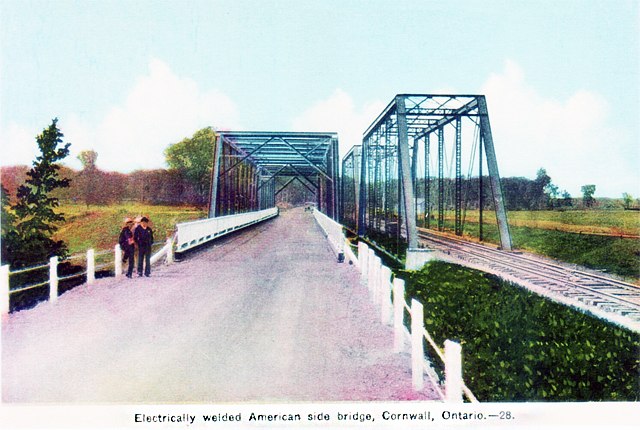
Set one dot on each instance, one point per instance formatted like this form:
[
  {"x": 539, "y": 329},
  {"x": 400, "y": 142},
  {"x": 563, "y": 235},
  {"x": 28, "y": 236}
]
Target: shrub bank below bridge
[{"x": 519, "y": 346}]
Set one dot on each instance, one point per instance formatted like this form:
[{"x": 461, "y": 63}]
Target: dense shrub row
[{"x": 520, "y": 347}]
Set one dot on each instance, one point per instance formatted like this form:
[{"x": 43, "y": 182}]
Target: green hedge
[{"x": 518, "y": 346}]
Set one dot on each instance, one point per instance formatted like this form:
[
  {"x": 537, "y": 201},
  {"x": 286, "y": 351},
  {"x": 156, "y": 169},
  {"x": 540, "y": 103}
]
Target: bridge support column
[
  {"x": 418, "y": 257},
  {"x": 362, "y": 195},
  {"x": 213, "y": 202},
  {"x": 405, "y": 174},
  {"x": 494, "y": 177}
]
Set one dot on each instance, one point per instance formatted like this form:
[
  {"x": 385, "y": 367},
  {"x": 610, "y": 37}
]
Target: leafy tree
[
  {"x": 566, "y": 199},
  {"x": 540, "y": 186},
  {"x": 552, "y": 192},
  {"x": 587, "y": 195},
  {"x": 627, "y": 200},
  {"x": 89, "y": 177},
  {"x": 193, "y": 158},
  {"x": 34, "y": 209},
  {"x": 88, "y": 159}
]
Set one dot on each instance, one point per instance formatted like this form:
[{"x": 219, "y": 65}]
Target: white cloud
[
  {"x": 18, "y": 145},
  {"x": 572, "y": 139},
  {"x": 161, "y": 108},
  {"x": 338, "y": 113}
]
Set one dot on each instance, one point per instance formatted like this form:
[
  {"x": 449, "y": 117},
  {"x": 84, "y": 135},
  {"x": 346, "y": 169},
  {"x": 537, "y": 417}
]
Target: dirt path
[{"x": 267, "y": 316}]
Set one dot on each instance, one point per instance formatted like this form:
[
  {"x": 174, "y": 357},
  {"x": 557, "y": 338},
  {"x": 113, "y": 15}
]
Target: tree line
[
  {"x": 185, "y": 182},
  {"x": 30, "y": 195}
]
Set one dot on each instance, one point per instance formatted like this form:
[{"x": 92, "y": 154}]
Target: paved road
[{"x": 267, "y": 315}]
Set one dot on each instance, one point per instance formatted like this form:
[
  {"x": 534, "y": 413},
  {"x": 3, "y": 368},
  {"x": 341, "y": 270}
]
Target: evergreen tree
[
  {"x": 8, "y": 220},
  {"x": 34, "y": 209}
]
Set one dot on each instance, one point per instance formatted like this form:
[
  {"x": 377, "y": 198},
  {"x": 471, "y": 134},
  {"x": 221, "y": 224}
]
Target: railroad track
[{"x": 599, "y": 295}]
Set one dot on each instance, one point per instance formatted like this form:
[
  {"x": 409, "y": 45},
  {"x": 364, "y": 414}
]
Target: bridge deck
[{"x": 265, "y": 315}]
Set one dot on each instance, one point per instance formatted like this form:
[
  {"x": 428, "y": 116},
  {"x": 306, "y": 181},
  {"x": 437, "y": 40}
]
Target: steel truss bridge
[
  {"x": 404, "y": 182},
  {"x": 407, "y": 173},
  {"x": 251, "y": 168},
  {"x": 403, "y": 173}
]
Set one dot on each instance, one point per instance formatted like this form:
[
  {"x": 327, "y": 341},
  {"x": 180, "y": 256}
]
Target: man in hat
[
  {"x": 143, "y": 236},
  {"x": 127, "y": 244}
]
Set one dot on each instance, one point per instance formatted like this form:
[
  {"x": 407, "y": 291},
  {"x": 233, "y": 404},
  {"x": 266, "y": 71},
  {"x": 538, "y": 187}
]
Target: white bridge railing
[
  {"x": 188, "y": 235},
  {"x": 335, "y": 235},
  {"x": 388, "y": 294},
  {"x": 194, "y": 233}
]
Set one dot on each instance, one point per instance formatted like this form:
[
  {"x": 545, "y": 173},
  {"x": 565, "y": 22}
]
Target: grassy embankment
[
  {"x": 98, "y": 227},
  {"x": 590, "y": 238}
]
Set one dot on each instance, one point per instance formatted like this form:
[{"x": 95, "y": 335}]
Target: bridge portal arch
[{"x": 250, "y": 168}]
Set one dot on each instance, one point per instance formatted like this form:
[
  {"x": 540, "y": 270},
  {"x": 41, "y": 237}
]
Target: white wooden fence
[
  {"x": 389, "y": 295},
  {"x": 5, "y": 292}
]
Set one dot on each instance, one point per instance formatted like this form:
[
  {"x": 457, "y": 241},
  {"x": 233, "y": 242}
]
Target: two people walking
[{"x": 137, "y": 235}]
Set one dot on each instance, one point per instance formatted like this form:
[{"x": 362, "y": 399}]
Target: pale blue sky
[{"x": 131, "y": 77}]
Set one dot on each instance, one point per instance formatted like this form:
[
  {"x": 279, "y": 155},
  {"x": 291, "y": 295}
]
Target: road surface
[{"x": 265, "y": 315}]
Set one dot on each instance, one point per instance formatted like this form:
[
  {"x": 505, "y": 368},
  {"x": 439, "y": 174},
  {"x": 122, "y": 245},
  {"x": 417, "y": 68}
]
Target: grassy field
[
  {"x": 98, "y": 227},
  {"x": 613, "y": 222},
  {"x": 573, "y": 236}
]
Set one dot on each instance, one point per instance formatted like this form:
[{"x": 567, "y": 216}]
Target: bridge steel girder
[
  {"x": 390, "y": 145},
  {"x": 350, "y": 187},
  {"x": 247, "y": 163},
  {"x": 405, "y": 174},
  {"x": 494, "y": 176}
]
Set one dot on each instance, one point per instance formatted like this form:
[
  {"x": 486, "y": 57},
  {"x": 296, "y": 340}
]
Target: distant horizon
[{"x": 76, "y": 169}]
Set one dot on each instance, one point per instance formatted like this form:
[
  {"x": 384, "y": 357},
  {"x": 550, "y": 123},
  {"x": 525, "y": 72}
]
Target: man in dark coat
[
  {"x": 126, "y": 245},
  {"x": 143, "y": 236}
]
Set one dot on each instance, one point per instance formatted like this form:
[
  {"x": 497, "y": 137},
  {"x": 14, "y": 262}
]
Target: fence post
[
  {"x": 4, "y": 289},
  {"x": 370, "y": 274},
  {"x": 53, "y": 279},
  {"x": 118, "y": 260},
  {"x": 347, "y": 254},
  {"x": 398, "y": 314},
  {"x": 417, "y": 345},
  {"x": 169, "y": 246},
  {"x": 375, "y": 281},
  {"x": 385, "y": 295},
  {"x": 453, "y": 371},
  {"x": 363, "y": 253},
  {"x": 91, "y": 267}
]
